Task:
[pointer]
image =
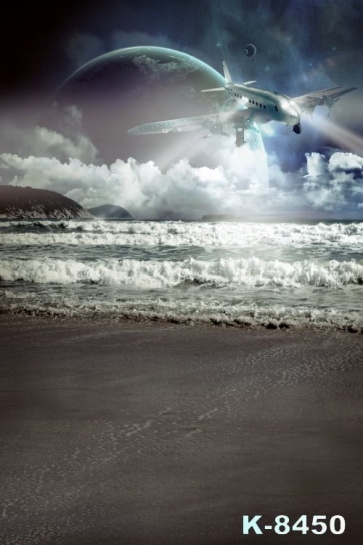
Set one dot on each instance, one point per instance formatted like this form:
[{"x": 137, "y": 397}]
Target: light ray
[{"x": 341, "y": 136}]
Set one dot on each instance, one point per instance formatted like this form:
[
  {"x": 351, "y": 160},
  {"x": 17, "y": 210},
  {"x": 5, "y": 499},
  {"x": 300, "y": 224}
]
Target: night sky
[{"x": 302, "y": 46}]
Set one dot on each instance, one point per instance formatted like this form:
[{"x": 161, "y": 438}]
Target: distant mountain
[
  {"x": 28, "y": 203},
  {"x": 110, "y": 212}
]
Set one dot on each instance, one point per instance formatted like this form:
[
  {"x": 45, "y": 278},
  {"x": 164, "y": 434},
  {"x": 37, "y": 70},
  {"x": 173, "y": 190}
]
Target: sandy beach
[{"x": 140, "y": 434}]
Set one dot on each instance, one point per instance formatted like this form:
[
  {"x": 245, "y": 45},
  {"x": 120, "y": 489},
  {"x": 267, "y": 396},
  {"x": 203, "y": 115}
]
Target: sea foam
[
  {"x": 241, "y": 314},
  {"x": 250, "y": 272},
  {"x": 98, "y": 233}
]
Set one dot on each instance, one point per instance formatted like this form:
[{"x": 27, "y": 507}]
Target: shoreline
[{"x": 111, "y": 318}]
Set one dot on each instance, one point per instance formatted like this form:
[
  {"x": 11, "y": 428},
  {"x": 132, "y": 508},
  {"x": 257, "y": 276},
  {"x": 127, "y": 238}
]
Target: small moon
[{"x": 250, "y": 50}]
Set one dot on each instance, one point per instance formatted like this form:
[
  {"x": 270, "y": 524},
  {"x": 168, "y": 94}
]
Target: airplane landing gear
[
  {"x": 297, "y": 128},
  {"x": 240, "y": 137}
]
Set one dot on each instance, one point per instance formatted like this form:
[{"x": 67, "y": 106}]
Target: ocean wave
[
  {"x": 192, "y": 312},
  {"x": 179, "y": 233},
  {"x": 250, "y": 272}
]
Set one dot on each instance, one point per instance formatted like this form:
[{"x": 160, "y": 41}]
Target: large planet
[{"x": 137, "y": 85}]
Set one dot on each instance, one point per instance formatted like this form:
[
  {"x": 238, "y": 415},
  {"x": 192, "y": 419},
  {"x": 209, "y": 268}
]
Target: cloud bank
[
  {"x": 182, "y": 191},
  {"x": 334, "y": 184},
  {"x": 40, "y": 141},
  {"x": 240, "y": 184}
]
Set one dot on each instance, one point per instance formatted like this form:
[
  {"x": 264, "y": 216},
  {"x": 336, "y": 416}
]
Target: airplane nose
[
  {"x": 295, "y": 110},
  {"x": 297, "y": 114}
]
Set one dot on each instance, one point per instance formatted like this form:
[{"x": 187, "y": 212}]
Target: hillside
[
  {"x": 28, "y": 203},
  {"x": 110, "y": 211}
]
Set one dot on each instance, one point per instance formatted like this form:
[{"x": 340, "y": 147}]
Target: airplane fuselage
[
  {"x": 265, "y": 105},
  {"x": 254, "y": 106}
]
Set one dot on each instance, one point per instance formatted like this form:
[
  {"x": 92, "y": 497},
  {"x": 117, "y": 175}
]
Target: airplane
[{"x": 254, "y": 105}]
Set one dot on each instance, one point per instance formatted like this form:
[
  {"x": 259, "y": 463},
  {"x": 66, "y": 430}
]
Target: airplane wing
[
  {"x": 325, "y": 97},
  {"x": 211, "y": 122}
]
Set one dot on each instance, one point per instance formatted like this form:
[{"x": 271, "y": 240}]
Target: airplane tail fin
[{"x": 227, "y": 75}]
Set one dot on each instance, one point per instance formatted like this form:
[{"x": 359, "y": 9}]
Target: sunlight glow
[
  {"x": 341, "y": 136},
  {"x": 267, "y": 130}
]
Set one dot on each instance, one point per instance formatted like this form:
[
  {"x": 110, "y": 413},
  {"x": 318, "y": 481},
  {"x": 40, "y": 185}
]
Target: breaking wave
[
  {"x": 242, "y": 314},
  {"x": 96, "y": 233},
  {"x": 251, "y": 272},
  {"x": 236, "y": 274}
]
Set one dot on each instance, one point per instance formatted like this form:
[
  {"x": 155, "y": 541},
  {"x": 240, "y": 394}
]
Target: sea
[{"x": 241, "y": 274}]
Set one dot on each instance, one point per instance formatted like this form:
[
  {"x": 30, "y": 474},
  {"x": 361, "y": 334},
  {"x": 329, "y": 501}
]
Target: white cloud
[
  {"x": 47, "y": 143},
  {"x": 43, "y": 142},
  {"x": 146, "y": 191},
  {"x": 237, "y": 185},
  {"x": 335, "y": 183},
  {"x": 316, "y": 164},
  {"x": 341, "y": 161}
]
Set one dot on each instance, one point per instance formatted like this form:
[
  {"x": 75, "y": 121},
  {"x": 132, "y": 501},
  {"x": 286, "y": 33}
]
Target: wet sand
[{"x": 142, "y": 434}]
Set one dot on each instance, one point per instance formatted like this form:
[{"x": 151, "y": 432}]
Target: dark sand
[{"x": 144, "y": 434}]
